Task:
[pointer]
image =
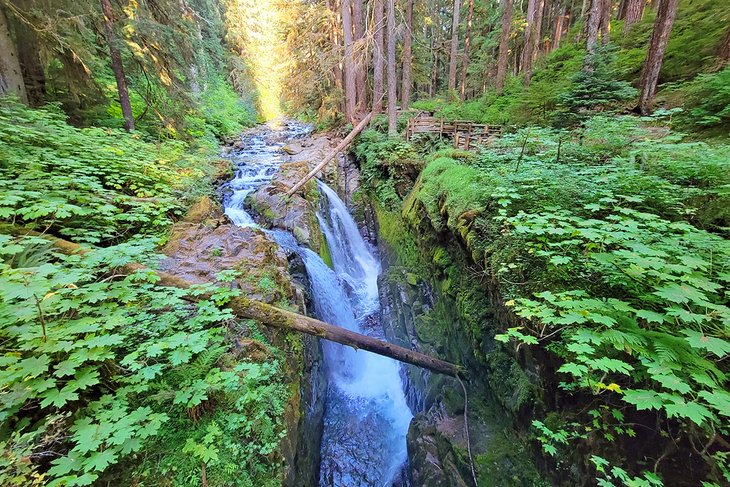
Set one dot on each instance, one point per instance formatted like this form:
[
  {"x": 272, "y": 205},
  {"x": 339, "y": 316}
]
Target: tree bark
[
  {"x": 34, "y": 76},
  {"x": 634, "y": 13},
  {"x": 349, "y": 62},
  {"x": 405, "y": 92},
  {"x": 605, "y": 24},
  {"x": 503, "y": 55},
  {"x": 11, "y": 74},
  {"x": 117, "y": 67},
  {"x": 433, "y": 78},
  {"x": 279, "y": 318},
  {"x": 535, "y": 10},
  {"x": 593, "y": 25},
  {"x": 378, "y": 56},
  {"x": 663, "y": 24},
  {"x": 433, "y": 86},
  {"x": 467, "y": 45},
  {"x": 359, "y": 56},
  {"x": 454, "y": 46},
  {"x": 335, "y": 41},
  {"x": 392, "y": 91},
  {"x": 561, "y": 27}
]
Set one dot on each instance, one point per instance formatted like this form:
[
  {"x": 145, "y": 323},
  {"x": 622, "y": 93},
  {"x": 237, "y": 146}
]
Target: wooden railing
[{"x": 463, "y": 133}]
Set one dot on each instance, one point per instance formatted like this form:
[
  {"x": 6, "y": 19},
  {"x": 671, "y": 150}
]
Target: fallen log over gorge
[
  {"x": 340, "y": 147},
  {"x": 276, "y": 317}
]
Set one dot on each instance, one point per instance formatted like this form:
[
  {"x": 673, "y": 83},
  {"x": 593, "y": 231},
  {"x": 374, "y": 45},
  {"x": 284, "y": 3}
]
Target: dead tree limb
[
  {"x": 275, "y": 317},
  {"x": 340, "y": 147}
]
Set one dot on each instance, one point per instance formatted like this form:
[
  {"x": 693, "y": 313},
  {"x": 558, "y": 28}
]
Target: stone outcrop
[
  {"x": 434, "y": 303},
  {"x": 296, "y": 213},
  {"x": 204, "y": 244}
]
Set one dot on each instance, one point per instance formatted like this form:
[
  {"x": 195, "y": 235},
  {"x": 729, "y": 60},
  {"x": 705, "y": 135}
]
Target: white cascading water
[
  {"x": 366, "y": 415},
  {"x": 256, "y": 163}
]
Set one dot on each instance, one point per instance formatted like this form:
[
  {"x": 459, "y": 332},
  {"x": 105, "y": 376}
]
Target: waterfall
[
  {"x": 256, "y": 163},
  {"x": 366, "y": 414}
]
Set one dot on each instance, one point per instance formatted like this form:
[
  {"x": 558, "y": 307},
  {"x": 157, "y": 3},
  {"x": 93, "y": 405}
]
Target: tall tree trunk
[
  {"x": 585, "y": 6},
  {"x": 634, "y": 13},
  {"x": 434, "y": 70},
  {"x": 11, "y": 75},
  {"x": 359, "y": 56},
  {"x": 349, "y": 62},
  {"x": 503, "y": 55},
  {"x": 605, "y": 23},
  {"x": 621, "y": 10},
  {"x": 392, "y": 95},
  {"x": 433, "y": 78},
  {"x": 454, "y": 46},
  {"x": 334, "y": 29},
  {"x": 666, "y": 14},
  {"x": 467, "y": 44},
  {"x": 593, "y": 25},
  {"x": 535, "y": 10},
  {"x": 117, "y": 67},
  {"x": 405, "y": 93},
  {"x": 34, "y": 75},
  {"x": 378, "y": 56},
  {"x": 561, "y": 27}
]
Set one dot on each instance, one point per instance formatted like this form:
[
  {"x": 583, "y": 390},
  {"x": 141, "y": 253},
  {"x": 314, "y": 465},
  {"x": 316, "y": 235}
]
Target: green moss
[
  {"x": 506, "y": 463},
  {"x": 324, "y": 253},
  {"x": 441, "y": 257}
]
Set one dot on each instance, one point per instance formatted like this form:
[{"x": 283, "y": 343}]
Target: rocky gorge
[{"x": 429, "y": 294}]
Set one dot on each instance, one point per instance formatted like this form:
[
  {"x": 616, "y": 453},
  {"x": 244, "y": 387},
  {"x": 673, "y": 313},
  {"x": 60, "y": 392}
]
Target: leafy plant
[
  {"x": 595, "y": 239},
  {"x": 96, "y": 365}
]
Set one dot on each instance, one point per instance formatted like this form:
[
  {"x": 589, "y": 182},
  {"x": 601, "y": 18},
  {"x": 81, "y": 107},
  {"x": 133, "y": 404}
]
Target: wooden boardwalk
[{"x": 463, "y": 133}]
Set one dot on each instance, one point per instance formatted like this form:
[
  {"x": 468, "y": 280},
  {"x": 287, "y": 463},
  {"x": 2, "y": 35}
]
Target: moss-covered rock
[
  {"x": 203, "y": 245},
  {"x": 434, "y": 297},
  {"x": 295, "y": 213}
]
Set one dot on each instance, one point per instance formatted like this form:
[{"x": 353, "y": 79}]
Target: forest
[{"x": 347, "y": 243}]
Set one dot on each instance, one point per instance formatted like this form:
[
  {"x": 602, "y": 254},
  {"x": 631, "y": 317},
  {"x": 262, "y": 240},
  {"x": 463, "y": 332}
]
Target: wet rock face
[
  {"x": 206, "y": 243},
  {"x": 201, "y": 246},
  {"x": 431, "y": 456},
  {"x": 295, "y": 213},
  {"x": 433, "y": 304}
]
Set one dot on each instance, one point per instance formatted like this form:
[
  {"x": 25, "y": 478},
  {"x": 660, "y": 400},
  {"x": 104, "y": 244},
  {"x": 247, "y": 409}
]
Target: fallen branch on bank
[
  {"x": 340, "y": 147},
  {"x": 276, "y": 317}
]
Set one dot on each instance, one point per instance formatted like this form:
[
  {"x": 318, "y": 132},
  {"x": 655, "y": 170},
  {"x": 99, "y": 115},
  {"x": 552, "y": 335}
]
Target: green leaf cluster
[
  {"x": 97, "y": 368},
  {"x": 90, "y": 185},
  {"x": 609, "y": 244}
]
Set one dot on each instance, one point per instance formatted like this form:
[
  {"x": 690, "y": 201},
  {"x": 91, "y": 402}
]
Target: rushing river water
[{"x": 366, "y": 415}]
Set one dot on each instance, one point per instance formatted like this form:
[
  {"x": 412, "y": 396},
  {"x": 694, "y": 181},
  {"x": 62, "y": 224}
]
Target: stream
[{"x": 366, "y": 416}]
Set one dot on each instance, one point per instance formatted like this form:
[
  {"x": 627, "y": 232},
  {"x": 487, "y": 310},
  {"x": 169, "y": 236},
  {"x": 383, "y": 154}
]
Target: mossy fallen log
[{"x": 272, "y": 316}]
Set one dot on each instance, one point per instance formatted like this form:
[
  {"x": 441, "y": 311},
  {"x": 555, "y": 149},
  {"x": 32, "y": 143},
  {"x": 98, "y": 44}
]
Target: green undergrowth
[
  {"x": 608, "y": 243},
  {"x": 93, "y": 185},
  {"x": 105, "y": 377},
  {"x": 690, "y": 80}
]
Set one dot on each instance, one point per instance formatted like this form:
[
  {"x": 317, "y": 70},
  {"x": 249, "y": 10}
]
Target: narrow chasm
[{"x": 354, "y": 412}]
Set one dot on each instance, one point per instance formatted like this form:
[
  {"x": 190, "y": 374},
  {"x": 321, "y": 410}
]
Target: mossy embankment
[{"x": 546, "y": 265}]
